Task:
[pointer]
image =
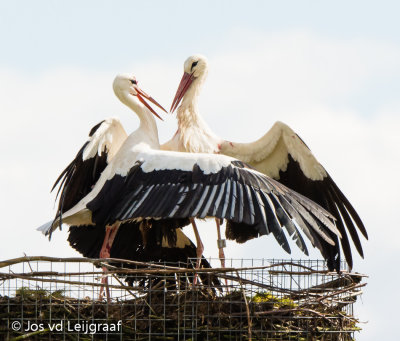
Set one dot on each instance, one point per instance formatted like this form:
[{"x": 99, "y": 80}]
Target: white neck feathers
[
  {"x": 148, "y": 127},
  {"x": 194, "y": 133}
]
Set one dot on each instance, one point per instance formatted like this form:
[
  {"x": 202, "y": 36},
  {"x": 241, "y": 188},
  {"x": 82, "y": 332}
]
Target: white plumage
[{"x": 108, "y": 137}]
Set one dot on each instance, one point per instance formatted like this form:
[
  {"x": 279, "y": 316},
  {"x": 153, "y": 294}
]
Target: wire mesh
[{"x": 46, "y": 298}]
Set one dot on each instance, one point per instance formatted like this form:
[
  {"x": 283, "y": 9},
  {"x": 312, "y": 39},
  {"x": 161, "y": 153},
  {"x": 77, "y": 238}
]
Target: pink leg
[
  {"x": 200, "y": 247},
  {"x": 221, "y": 244},
  {"x": 111, "y": 232}
]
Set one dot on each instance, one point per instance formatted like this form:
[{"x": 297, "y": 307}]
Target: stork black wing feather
[
  {"x": 354, "y": 215},
  {"x": 349, "y": 214},
  {"x": 78, "y": 178},
  {"x": 327, "y": 194},
  {"x": 289, "y": 225},
  {"x": 344, "y": 241}
]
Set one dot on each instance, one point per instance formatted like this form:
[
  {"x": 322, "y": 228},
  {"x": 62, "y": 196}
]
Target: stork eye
[
  {"x": 193, "y": 65},
  {"x": 133, "y": 81}
]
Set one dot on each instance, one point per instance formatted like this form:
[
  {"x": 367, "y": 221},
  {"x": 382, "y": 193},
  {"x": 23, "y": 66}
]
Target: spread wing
[
  {"x": 173, "y": 185},
  {"x": 282, "y": 155}
]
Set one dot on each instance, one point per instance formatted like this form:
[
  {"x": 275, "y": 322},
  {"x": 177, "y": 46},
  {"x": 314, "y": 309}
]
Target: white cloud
[{"x": 301, "y": 79}]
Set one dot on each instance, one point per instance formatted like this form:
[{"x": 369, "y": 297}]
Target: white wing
[
  {"x": 282, "y": 155},
  {"x": 270, "y": 153},
  {"x": 107, "y": 136}
]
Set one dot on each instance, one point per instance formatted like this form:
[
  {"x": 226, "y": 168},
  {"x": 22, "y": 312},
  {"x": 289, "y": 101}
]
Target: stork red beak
[
  {"x": 186, "y": 80},
  {"x": 140, "y": 94}
]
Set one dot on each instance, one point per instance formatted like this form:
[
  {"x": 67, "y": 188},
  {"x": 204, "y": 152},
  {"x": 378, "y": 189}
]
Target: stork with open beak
[
  {"x": 143, "y": 184},
  {"x": 160, "y": 243},
  {"x": 78, "y": 178},
  {"x": 280, "y": 154},
  {"x": 133, "y": 241}
]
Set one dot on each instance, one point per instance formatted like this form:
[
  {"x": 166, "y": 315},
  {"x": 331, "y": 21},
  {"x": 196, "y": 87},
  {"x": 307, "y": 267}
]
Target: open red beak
[
  {"x": 186, "y": 80},
  {"x": 141, "y": 95}
]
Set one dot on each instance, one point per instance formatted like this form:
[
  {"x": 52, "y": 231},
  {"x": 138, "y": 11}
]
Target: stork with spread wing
[{"x": 280, "y": 154}]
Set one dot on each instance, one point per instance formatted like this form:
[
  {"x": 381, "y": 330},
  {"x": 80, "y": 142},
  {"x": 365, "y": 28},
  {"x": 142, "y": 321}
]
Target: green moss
[
  {"x": 33, "y": 294},
  {"x": 278, "y": 302},
  {"x": 26, "y": 293},
  {"x": 58, "y": 294}
]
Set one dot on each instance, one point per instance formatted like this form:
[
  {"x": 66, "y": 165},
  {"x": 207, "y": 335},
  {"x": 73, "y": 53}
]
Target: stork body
[{"x": 279, "y": 154}]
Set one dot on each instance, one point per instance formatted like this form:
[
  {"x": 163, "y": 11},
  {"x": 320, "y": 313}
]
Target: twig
[
  {"x": 341, "y": 291},
  {"x": 66, "y": 282},
  {"x": 282, "y": 311},
  {"x": 249, "y": 323},
  {"x": 118, "y": 280},
  {"x": 28, "y": 263}
]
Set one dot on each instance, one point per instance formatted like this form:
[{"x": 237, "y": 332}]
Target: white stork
[
  {"x": 280, "y": 154},
  {"x": 144, "y": 184},
  {"x": 163, "y": 242},
  {"x": 160, "y": 243}
]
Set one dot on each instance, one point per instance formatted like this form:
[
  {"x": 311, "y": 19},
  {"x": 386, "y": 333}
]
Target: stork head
[
  {"x": 125, "y": 86},
  {"x": 196, "y": 65},
  {"x": 195, "y": 71}
]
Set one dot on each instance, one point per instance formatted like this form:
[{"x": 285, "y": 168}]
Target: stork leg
[
  {"x": 111, "y": 232},
  {"x": 199, "y": 250},
  {"x": 221, "y": 244},
  {"x": 105, "y": 253}
]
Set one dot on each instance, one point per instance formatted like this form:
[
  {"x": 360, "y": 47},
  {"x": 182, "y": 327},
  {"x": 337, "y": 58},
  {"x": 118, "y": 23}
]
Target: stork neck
[
  {"x": 148, "y": 125},
  {"x": 194, "y": 134},
  {"x": 188, "y": 112}
]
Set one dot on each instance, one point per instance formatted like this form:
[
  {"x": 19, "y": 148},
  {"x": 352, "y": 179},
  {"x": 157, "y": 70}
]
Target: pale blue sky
[
  {"x": 40, "y": 35},
  {"x": 331, "y": 70},
  {"x": 37, "y": 35}
]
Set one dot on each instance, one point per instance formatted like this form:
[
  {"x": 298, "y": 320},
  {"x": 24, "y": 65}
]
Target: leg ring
[{"x": 221, "y": 243}]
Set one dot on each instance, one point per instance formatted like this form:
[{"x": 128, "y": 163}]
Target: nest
[{"x": 166, "y": 310}]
